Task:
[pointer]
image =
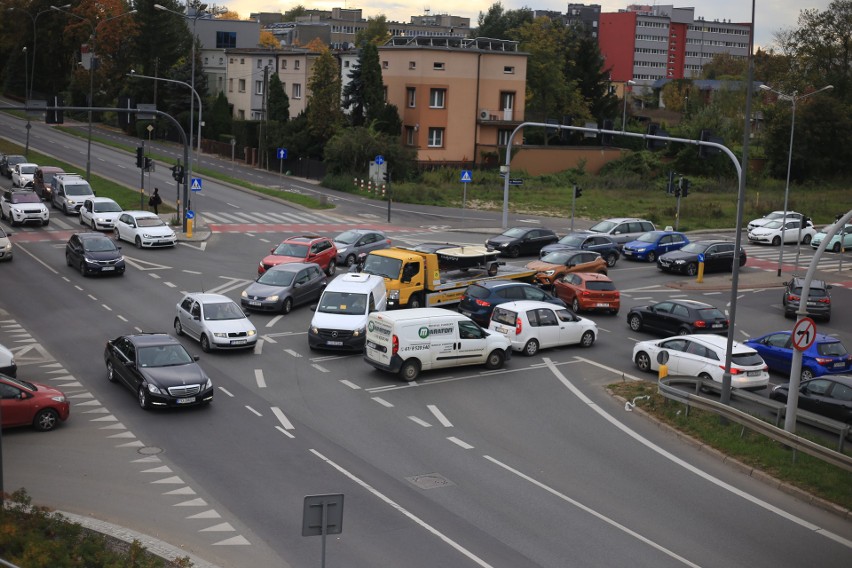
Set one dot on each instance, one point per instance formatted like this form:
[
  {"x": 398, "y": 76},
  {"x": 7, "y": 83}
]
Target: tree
[
  {"x": 278, "y": 102},
  {"x": 220, "y": 118},
  {"x": 587, "y": 70},
  {"x": 268, "y": 39},
  {"x": 228, "y": 15},
  {"x": 293, "y": 13},
  {"x": 323, "y": 110},
  {"x": 364, "y": 94},
  {"x": 497, "y": 23},
  {"x": 676, "y": 93},
  {"x": 351, "y": 149},
  {"x": 376, "y": 32}
]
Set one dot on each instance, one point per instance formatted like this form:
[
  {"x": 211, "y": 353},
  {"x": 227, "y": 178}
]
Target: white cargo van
[
  {"x": 340, "y": 317},
  {"x": 408, "y": 341}
]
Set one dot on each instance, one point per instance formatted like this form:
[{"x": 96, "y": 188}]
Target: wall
[{"x": 538, "y": 160}]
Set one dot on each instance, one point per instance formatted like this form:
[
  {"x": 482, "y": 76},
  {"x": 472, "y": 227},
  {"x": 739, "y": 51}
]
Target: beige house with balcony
[{"x": 459, "y": 99}]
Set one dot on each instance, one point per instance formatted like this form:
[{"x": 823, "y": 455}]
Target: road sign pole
[{"x": 573, "y": 201}]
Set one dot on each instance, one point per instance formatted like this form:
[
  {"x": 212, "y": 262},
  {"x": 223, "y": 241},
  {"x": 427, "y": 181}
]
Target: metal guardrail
[{"x": 756, "y": 424}]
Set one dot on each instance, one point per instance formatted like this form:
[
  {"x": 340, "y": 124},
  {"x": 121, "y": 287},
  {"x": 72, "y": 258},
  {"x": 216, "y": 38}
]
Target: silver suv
[
  {"x": 623, "y": 229},
  {"x": 69, "y": 192}
]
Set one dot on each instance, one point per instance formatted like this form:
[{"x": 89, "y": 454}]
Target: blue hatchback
[
  {"x": 653, "y": 244},
  {"x": 827, "y": 355}
]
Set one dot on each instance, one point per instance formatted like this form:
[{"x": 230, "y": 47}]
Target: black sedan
[
  {"x": 521, "y": 240},
  {"x": 158, "y": 369},
  {"x": 718, "y": 256},
  {"x": 94, "y": 253},
  {"x": 829, "y": 396},
  {"x": 678, "y": 317},
  {"x": 586, "y": 240}
]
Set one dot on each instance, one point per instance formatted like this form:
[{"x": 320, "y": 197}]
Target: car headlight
[
  {"x": 641, "y": 250},
  {"x": 251, "y": 332},
  {"x": 314, "y": 330},
  {"x": 146, "y": 236},
  {"x": 8, "y": 247},
  {"x": 549, "y": 272},
  {"x": 89, "y": 260},
  {"x": 154, "y": 389},
  {"x": 208, "y": 384},
  {"x": 58, "y": 398},
  {"x": 273, "y": 298},
  {"x": 679, "y": 261},
  {"x": 393, "y": 295},
  {"x": 243, "y": 294},
  {"x": 220, "y": 335},
  {"x": 503, "y": 245},
  {"x": 359, "y": 332},
  {"x": 72, "y": 202},
  {"x": 342, "y": 250}
]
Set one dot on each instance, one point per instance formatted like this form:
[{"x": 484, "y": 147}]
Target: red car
[
  {"x": 305, "y": 248},
  {"x": 588, "y": 291},
  {"x": 24, "y": 403}
]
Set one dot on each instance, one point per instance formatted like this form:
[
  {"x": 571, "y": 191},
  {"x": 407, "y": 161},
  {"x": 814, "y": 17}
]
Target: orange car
[
  {"x": 588, "y": 291},
  {"x": 560, "y": 262}
]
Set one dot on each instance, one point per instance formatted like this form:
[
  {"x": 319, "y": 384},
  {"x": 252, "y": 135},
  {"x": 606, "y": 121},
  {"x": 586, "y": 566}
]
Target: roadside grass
[{"x": 800, "y": 470}]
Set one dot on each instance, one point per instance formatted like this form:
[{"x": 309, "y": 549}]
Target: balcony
[{"x": 494, "y": 116}]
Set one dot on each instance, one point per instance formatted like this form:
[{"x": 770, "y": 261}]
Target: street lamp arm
[{"x": 184, "y": 83}]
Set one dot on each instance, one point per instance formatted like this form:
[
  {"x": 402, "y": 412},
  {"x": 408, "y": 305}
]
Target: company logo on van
[{"x": 425, "y": 332}]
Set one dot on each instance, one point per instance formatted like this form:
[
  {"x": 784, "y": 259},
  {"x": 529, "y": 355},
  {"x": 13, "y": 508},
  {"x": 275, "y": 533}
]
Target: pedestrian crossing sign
[
  {"x": 465, "y": 176},
  {"x": 195, "y": 185}
]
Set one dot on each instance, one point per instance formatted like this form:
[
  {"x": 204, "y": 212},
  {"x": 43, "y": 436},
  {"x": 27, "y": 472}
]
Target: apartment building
[
  {"x": 245, "y": 80},
  {"x": 458, "y": 98},
  {"x": 648, "y": 43},
  {"x": 215, "y": 36}
]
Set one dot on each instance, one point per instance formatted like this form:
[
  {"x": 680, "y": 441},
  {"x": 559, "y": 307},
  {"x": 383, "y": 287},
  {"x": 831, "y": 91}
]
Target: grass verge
[{"x": 805, "y": 472}]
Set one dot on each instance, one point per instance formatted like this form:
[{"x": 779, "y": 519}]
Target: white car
[
  {"x": 144, "y": 229},
  {"x": 704, "y": 356},
  {"x": 100, "y": 213},
  {"x": 216, "y": 321},
  {"x": 770, "y": 233},
  {"x": 5, "y": 245},
  {"x": 22, "y": 174},
  {"x": 774, "y": 216},
  {"x": 23, "y": 206},
  {"x": 530, "y": 325}
]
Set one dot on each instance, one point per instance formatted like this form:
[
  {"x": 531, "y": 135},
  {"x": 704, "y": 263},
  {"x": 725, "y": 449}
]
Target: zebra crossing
[
  {"x": 266, "y": 218},
  {"x": 838, "y": 263}
]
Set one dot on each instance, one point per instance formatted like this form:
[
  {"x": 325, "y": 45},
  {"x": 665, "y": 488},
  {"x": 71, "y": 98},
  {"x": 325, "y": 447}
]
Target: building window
[
  {"x": 503, "y": 137},
  {"x": 437, "y": 98},
  {"x": 296, "y": 64},
  {"x": 258, "y": 87},
  {"x": 346, "y": 64},
  {"x": 241, "y": 86},
  {"x": 412, "y": 96},
  {"x": 230, "y": 85},
  {"x": 384, "y": 64},
  {"x": 260, "y": 64},
  {"x": 412, "y": 65},
  {"x": 385, "y": 93},
  {"x": 436, "y": 137},
  {"x": 297, "y": 90},
  {"x": 226, "y": 40},
  {"x": 231, "y": 60},
  {"x": 206, "y": 61},
  {"x": 283, "y": 64},
  {"x": 242, "y": 60},
  {"x": 410, "y": 136},
  {"x": 438, "y": 66},
  {"x": 509, "y": 70},
  {"x": 221, "y": 60},
  {"x": 241, "y": 114}
]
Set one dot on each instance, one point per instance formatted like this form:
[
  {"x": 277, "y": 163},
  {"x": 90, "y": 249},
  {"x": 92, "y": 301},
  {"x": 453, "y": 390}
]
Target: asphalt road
[{"x": 533, "y": 465}]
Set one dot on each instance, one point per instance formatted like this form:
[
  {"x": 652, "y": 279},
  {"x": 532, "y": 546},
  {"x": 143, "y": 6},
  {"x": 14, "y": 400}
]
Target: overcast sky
[{"x": 770, "y": 15}]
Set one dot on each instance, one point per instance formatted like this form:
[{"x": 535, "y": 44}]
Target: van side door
[{"x": 471, "y": 343}]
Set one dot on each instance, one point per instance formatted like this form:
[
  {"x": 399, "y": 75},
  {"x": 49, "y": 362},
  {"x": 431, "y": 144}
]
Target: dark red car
[
  {"x": 306, "y": 248},
  {"x": 32, "y": 404}
]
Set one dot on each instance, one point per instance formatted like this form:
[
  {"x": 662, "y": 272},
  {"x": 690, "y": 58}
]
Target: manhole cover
[
  {"x": 430, "y": 481},
  {"x": 150, "y": 450}
]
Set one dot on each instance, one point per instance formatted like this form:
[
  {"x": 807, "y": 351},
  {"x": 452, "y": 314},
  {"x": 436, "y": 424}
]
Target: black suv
[
  {"x": 521, "y": 240},
  {"x": 819, "y": 299},
  {"x": 8, "y": 161},
  {"x": 678, "y": 317}
]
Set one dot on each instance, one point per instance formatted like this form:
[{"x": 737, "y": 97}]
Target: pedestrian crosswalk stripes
[{"x": 265, "y": 217}]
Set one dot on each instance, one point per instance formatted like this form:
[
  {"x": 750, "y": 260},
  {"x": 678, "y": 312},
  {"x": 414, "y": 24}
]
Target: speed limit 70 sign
[{"x": 804, "y": 334}]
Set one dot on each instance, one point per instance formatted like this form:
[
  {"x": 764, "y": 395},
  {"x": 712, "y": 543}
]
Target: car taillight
[
  {"x": 394, "y": 345},
  {"x": 733, "y": 370},
  {"x": 699, "y": 323},
  {"x": 519, "y": 327},
  {"x": 824, "y": 300},
  {"x": 824, "y": 361},
  {"x": 585, "y": 293},
  {"x": 792, "y": 298},
  {"x": 482, "y": 303}
]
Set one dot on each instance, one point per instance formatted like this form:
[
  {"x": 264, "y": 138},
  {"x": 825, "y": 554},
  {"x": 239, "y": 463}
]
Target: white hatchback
[
  {"x": 704, "y": 356},
  {"x": 100, "y": 213},
  {"x": 531, "y": 325},
  {"x": 770, "y": 233},
  {"x": 144, "y": 229},
  {"x": 215, "y": 321},
  {"x": 22, "y": 174}
]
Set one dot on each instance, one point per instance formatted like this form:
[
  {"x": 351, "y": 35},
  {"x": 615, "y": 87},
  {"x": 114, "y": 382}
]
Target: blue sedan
[
  {"x": 653, "y": 244},
  {"x": 827, "y": 355}
]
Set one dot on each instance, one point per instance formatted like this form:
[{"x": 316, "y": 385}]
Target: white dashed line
[
  {"x": 285, "y": 432},
  {"x": 274, "y": 320},
  {"x": 279, "y": 414},
  {"x": 383, "y": 402},
  {"x": 109, "y": 309},
  {"x": 122, "y": 318},
  {"x": 253, "y": 410},
  {"x": 152, "y": 275},
  {"x": 463, "y": 445},
  {"x": 170, "y": 285},
  {"x": 439, "y": 415},
  {"x": 258, "y": 376},
  {"x": 320, "y": 368},
  {"x": 350, "y": 384},
  {"x": 293, "y": 353},
  {"x": 419, "y": 421},
  {"x": 92, "y": 297}
]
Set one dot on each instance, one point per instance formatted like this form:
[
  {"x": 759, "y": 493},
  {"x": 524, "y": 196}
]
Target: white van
[
  {"x": 340, "y": 317},
  {"x": 408, "y": 341},
  {"x": 69, "y": 192}
]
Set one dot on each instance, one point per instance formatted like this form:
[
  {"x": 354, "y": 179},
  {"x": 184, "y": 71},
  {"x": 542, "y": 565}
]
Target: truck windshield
[
  {"x": 382, "y": 266},
  {"x": 343, "y": 303}
]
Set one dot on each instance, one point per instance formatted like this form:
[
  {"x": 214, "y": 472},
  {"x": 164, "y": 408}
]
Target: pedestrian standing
[{"x": 155, "y": 200}]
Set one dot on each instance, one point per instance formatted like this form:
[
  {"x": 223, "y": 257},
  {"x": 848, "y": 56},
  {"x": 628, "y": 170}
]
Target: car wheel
[
  {"x": 575, "y": 305},
  {"x": 652, "y": 257},
  {"x": 65, "y": 208},
  {"x": 332, "y": 267},
  {"x": 415, "y": 301},
  {"x": 287, "y": 306},
  {"x": 684, "y": 331},
  {"x": 806, "y": 240},
  {"x": 94, "y": 227},
  {"x": 82, "y": 267},
  {"x": 807, "y": 374},
  {"x": 514, "y": 252},
  {"x": 836, "y": 247},
  {"x": 409, "y": 370},
  {"x": 691, "y": 269},
  {"x": 495, "y": 359},
  {"x": 611, "y": 260},
  {"x": 46, "y": 420},
  {"x": 116, "y": 235},
  {"x": 776, "y": 241},
  {"x": 45, "y": 223},
  {"x": 531, "y": 348},
  {"x": 110, "y": 372},
  {"x": 350, "y": 260},
  {"x": 705, "y": 377},
  {"x": 205, "y": 344},
  {"x": 643, "y": 361},
  {"x": 178, "y": 327},
  {"x": 138, "y": 242},
  {"x": 588, "y": 339},
  {"x": 635, "y": 322},
  {"x": 143, "y": 398},
  {"x": 68, "y": 260}
]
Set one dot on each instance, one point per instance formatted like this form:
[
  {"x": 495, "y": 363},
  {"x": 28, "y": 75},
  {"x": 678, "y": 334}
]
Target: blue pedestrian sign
[
  {"x": 282, "y": 153},
  {"x": 195, "y": 184},
  {"x": 701, "y": 257},
  {"x": 380, "y": 160},
  {"x": 190, "y": 214},
  {"x": 466, "y": 176}
]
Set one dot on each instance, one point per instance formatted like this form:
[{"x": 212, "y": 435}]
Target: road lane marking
[
  {"x": 383, "y": 402},
  {"x": 320, "y": 368},
  {"x": 440, "y": 416},
  {"x": 279, "y": 414},
  {"x": 274, "y": 320},
  {"x": 258, "y": 376},
  {"x": 253, "y": 410},
  {"x": 293, "y": 353},
  {"x": 226, "y": 391},
  {"x": 419, "y": 421},
  {"x": 462, "y": 444},
  {"x": 350, "y": 384}
]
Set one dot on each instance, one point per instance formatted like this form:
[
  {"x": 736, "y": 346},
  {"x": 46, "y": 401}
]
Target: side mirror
[
  {"x": 272, "y": 250},
  {"x": 247, "y": 314},
  {"x": 195, "y": 357},
  {"x": 312, "y": 307}
]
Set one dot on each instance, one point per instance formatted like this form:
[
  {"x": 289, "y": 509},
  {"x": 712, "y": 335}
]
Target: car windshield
[
  {"x": 277, "y": 278},
  {"x": 216, "y": 311},
  {"x": 107, "y": 207},
  {"x": 150, "y": 222},
  {"x": 382, "y": 266},
  {"x": 831, "y": 349},
  {"x": 514, "y": 232},
  {"x": 99, "y": 244},
  {"x": 746, "y": 359},
  {"x": 600, "y": 285},
  {"x": 343, "y": 303},
  {"x": 79, "y": 189},
  {"x": 572, "y": 240},
  {"x": 649, "y": 237},
  {"x": 12, "y": 160},
  {"x": 290, "y": 249},
  {"x": 347, "y": 238},
  {"x": 603, "y": 227},
  {"x": 163, "y": 356},
  {"x": 21, "y": 383},
  {"x": 710, "y": 313},
  {"x": 557, "y": 257},
  {"x": 775, "y": 215},
  {"x": 695, "y": 247},
  {"x": 773, "y": 225},
  {"x": 25, "y": 197},
  {"x": 475, "y": 291},
  {"x": 28, "y": 169}
]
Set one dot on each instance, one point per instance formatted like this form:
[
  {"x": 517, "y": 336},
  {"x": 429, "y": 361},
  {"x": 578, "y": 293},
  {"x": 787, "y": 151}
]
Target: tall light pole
[
  {"x": 793, "y": 98},
  {"x": 34, "y": 18},
  {"x": 27, "y": 101},
  {"x": 92, "y": 60},
  {"x": 628, "y": 83}
]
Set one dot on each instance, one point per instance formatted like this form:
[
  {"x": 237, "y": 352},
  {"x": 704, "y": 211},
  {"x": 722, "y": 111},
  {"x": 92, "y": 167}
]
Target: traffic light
[
  {"x": 386, "y": 176},
  {"x": 606, "y": 139},
  {"x": 655, "y": 130},
  {"x": 708, "y": 151},
  {"x": 140, "y": 156},
  {"x": 578, "y": 191},
  {"x": 670, "y": 186},
  {"x": 177, "y": 173},
  {"x": 684, "y": 190},
  {"x": 149, "y": 164}
]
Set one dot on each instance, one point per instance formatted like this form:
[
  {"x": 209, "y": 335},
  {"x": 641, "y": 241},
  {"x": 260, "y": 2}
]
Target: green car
[{"x": 835, "y": 244}]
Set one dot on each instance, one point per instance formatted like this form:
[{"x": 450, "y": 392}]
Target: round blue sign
[
  {"x": 190, "y": 214},
  {"x": 380, "y": 159}
]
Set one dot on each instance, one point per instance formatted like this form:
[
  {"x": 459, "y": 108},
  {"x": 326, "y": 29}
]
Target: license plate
[
  {"x": 627, "y": 252},
  {"x": 600, "y": 305},
  {"x": 812, "y": 303},
  {"x": 716, "y": 325},
  {"x": 253, "y": 303},
  {"x": 465, "y": 313},
  {"x": 107, "y": 268},
  {"x": 238, "y": 342},
  {"x": 335, "y": 343},
  {"x": 500, "y": 329},
  {"x": 186, "y": 400},
  {"x": 754, "y": 373},
  {"x": 372, "y": 345},
  {"x": 839, "y": 365}
]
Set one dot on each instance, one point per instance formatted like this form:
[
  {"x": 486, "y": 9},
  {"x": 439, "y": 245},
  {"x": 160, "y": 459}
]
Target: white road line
[
  {"x": 689, "y": 467},
  {"x": 285, "y": 432},
  {"x": 419, "y": 421},
  {"x": 350, "y": 384},
  {"x": 320, "y": 368},
  {"x": 268, "y": 339},
  {"x": 152, "y": 275},
  {"x": 226, "y": 391},
  {"x": 122, "y": 318},
  {"x": 258, "y": 376},
  {"x": 463, "y": 445},
  {"x": 258, "y": 347},
  {"x": 191, "y": 271},
  {"x": 170, "y": 285},
  {"x": 610, "y": 369},
  {"x": 253, "y": 410},
  {"x": 479, "y": 561},
  {"x": 92, "y": 297},
  {"x": 440, "y": 416},
  {"x": 274, "y": 320},
  {"x": 107, "y": 308},
  {"x": 282, "y": 419},
  {"x": 383, "y": 402},
  {"x": 293, "y": 353},
  {"x": 79, "y": 288}
]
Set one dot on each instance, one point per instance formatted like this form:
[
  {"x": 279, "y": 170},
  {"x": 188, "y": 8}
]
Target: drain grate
[{"x": 429, "y": 481}]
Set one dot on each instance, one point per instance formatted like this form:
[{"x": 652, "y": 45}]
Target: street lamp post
[
  {"x": 34, "y": 18},
  {"x": 92, "y": 60},
  {"x": 185, "y": 84},
  {"x": 27, "y": 100},
  {"x": 793, "y": 98},
  {"x": 629, "y": 83}
]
